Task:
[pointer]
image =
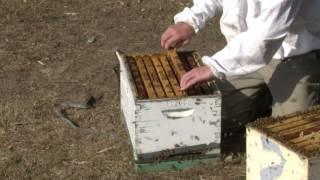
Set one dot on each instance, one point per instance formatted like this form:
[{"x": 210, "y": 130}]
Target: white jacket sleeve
[
  {"x": 253, "y": 49},
  {"x": 197, "y": 15}
]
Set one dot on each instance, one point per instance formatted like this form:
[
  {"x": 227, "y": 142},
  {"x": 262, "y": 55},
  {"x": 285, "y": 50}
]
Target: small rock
[
  {"x": 41, "y": 63},
  {"x": 91, "y": 40}
]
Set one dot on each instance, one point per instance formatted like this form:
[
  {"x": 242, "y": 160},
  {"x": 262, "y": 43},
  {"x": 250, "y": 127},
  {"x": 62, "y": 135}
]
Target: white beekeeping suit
[{"x": 257, "y": 31}]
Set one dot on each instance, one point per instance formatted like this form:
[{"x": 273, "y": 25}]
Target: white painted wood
[
  {"x": 127, "y": 100},
  {"x": 166, "y": 124},
  {"x": 156, "y": 131},
  {"x": 267, "y": 159}
]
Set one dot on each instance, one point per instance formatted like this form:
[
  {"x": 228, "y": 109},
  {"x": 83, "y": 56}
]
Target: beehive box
[
  {"x": 165, "y": 123},
  {"x": 285, "y": 148}
]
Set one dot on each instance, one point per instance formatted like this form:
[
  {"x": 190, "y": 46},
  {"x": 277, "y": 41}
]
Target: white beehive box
[
  {"x": 285, "y": 148},
  {"x": 171, "y": 125}
]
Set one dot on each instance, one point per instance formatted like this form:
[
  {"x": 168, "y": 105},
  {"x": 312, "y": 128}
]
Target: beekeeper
[{"x": 271, "y": 55}]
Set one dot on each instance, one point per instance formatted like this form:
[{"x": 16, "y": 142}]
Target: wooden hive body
[
  {"x": 285, "y": 148},
  {"x": 162, "y": 120}
]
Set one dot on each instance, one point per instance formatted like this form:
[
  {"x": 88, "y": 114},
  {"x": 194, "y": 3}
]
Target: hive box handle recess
[{"x": 178, "y": 113}]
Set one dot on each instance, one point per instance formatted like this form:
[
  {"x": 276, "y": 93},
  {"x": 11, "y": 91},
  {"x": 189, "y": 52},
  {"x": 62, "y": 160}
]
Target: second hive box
[{"x": 285, "y": 148}]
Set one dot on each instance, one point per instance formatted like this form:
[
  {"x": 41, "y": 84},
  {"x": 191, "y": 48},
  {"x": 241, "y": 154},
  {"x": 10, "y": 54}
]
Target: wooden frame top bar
[
  {"x": 299, "y": 131},
  {"x": 157, "y": 76}
]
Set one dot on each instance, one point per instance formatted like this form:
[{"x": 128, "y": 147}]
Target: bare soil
[{"x": 55, "y": 50}]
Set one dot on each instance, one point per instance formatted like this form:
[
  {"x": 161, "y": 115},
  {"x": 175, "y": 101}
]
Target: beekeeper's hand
[
  {"x": 196, "y": 76},
  {"x": 177, "y": 35}
]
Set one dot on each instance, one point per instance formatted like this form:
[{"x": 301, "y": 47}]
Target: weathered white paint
[
  {"x": 156, "y": 131},
  {"x": 162, "y": 124},
  {"x": 267, "y": 159},
  {"x": 127, "y": 100}
]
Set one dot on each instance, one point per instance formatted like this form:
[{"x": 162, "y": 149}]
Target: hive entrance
[
  {"x": 300, "y": 132},
  {"x": 157, "y": 76}
]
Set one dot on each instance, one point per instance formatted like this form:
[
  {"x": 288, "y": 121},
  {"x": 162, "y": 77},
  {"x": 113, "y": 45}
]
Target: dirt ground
[{"x": 54, "y": 50}]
